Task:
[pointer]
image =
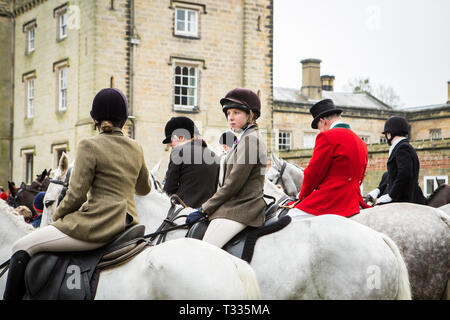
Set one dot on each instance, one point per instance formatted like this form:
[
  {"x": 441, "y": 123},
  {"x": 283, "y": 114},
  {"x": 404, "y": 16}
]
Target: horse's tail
[
  {"x": 248, "y": 278},
  {"x": 404, "y": 287}
]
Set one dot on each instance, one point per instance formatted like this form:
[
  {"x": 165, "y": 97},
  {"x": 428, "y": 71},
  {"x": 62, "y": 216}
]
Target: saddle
[
  {"x": 74, "y": 275},
  {"x": 243, "y": 244}
]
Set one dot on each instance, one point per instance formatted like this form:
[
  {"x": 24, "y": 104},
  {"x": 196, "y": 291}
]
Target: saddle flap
[
  {"x": 40, "y": 269},
  {"x": 197, "y": 230},
  {"x": 131, "y": 233}
]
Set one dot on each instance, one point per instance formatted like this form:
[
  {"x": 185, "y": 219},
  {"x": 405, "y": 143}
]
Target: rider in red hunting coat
[{"x": 332, "y": 179}]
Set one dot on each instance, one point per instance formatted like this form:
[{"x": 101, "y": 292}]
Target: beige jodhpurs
[
  {"x": 220, "y": 231},
  {"x": 51, "y": 239}
]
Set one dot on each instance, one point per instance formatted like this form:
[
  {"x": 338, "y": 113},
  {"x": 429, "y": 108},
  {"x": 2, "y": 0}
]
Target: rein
[
  {"x": 280, "y": 175},
  {"x": 172, "y": 216}
]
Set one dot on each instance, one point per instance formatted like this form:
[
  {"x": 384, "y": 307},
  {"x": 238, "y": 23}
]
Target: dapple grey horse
[{"x": 422, "y": 234}]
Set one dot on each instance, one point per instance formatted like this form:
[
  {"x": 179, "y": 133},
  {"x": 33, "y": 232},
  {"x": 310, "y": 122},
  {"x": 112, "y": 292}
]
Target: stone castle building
[{"x": 170, "y": 57}]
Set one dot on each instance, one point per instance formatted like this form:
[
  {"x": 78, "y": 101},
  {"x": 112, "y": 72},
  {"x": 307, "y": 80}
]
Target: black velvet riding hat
[
  {"x": 322, "y": 109},
  {"x": 187, "y": 126}
]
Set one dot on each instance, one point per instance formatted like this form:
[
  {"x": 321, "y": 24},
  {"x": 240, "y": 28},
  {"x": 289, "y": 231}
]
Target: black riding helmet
[
  {"x": 110, "y": 104},
  {"x": 396, "y": 126},
  {"x": 243, "y": 99}
]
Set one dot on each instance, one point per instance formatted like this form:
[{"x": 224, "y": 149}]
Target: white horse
[
  {"x": 327, "y": 257},
  {"x": 182, "y": 269},
  {"x": 445, "y": 208},
  {"x": 422, "y": 234},
  {"x": 285, "y": 174}
]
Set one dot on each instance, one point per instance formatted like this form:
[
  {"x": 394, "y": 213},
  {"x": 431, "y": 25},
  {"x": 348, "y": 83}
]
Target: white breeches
[{"x": 220, "y": 231}]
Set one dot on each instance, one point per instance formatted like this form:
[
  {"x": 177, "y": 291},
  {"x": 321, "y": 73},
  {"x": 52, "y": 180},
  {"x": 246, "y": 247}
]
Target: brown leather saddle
[{"x": 74, "y": 275}]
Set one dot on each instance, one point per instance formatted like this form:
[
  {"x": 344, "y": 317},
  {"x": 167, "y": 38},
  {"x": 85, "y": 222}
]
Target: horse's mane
[
  {"x": 435, "y": 192},
  {"x": 13, "y": 216}
]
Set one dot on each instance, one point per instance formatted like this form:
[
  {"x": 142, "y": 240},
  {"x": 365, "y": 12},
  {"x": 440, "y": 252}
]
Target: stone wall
[{"x": 6, "y": 91}]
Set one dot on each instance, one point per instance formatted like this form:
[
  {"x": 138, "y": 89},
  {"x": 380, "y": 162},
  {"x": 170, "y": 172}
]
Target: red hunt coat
[{"x": 332, "y": 179}]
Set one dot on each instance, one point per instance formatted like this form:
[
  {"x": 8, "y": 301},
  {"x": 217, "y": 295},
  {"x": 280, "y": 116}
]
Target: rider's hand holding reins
[{"x": 195, "y": 215}]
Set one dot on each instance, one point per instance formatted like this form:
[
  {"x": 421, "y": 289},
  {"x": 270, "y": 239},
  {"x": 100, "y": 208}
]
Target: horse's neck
[
  {"x": 152, "y": 210},
  {"x": 440, "y": 197},
  {"x": 271, "y": 189},
  {"x": 12, "y": 227},
  {"x": 294, "y": 175}
]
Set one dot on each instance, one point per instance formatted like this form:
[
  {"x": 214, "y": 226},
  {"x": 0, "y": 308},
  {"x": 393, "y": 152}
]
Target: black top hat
[
  {"x": 322, "y": 109},
  {"x": 187, "y": 126}
]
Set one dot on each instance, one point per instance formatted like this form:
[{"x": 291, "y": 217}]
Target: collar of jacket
[
  {"x": 341, "y": 125},
  {"x": 246, "y": 131},
  {"x": 115, "y": 130},
  {"x": 391, "y": 149}
]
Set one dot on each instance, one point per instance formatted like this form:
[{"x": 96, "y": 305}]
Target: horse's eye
[{"x": 48, "y": 203}]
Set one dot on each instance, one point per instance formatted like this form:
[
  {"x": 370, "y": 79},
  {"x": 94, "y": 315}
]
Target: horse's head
[
  {"x": 285, "y": 174},
  {"x": 273, "y": 174},
  {"x": 156, "y": 185},
  {"x": 56, "y": 189},
  {"x": 23, "y": 195},
  {"x": 41, "y": 182},
  {"x": 440, "y": 196}
]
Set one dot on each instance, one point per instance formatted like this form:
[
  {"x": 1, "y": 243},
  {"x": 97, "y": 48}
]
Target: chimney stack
[
  {"x": 327, "y": 82},
  {"x": 448, "y": 93},
  {"x": 311, "y": 85}
]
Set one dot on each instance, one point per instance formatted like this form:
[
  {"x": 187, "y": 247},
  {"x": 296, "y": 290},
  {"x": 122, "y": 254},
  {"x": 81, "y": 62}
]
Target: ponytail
[{"x": 106, "y": 126}]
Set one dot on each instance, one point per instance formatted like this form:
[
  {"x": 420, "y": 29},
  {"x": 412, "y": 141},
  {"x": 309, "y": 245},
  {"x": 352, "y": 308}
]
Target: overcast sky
[{"x": 397, "y": 43}]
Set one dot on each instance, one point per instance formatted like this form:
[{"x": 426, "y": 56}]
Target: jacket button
[
  {"x": 349, "y": 179},
  {"x": 359, "y": 181}
]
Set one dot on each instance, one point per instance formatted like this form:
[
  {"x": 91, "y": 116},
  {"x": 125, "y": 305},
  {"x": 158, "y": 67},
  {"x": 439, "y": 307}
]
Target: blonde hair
[
  {"x": 25, "y": 212},
  {"x": 251, "y": 119}
]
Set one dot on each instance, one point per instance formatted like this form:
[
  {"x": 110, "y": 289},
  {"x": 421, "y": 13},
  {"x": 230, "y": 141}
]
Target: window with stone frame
[
  {"x": 61, "y": 70},
  {"x": 365, "y": 139},
  {"x": 57, "y": 150},
  {"x": 435, "y": 134},
  {"x": 61, "y": 15},
  {"x": 284, "y": 140},
  {"x": 186, "y": 22},
  {"x": 185, "y": 87},
  {"x": 28, "y": 164},
  {"x": 29, "y": 80},
  {"x": 30, "y": 98},
  {"x": 62, "y": 89},
  {"x": 29, "y": 29}
]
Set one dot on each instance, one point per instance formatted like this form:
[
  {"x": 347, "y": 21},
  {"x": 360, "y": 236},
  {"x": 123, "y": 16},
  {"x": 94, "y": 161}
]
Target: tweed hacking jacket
[
  {"x": 240, "y": 198},
  {"x": 109, "y": 169}
]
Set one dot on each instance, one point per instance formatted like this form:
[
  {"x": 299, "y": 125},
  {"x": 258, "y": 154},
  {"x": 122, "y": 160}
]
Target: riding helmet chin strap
[{"x": 389, "y": 141}]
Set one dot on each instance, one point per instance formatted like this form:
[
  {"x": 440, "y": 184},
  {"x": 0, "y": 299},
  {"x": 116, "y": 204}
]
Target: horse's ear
[
  {"x": 63, "y": 164},
  {"x": 23, "y": 185},
  {"x": 43, "y": 175},
  {"x": 275, "y": 160},
  {"x": 155, "y": 169},
  {"x": 49, "y": 172},
  {"x": 11, "y": 188}
]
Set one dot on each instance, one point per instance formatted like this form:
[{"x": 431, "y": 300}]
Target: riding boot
[{"x": 15, "y": 284}]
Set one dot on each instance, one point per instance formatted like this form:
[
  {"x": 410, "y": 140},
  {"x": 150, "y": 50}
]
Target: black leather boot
[{"x": 15, "y": 284}]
